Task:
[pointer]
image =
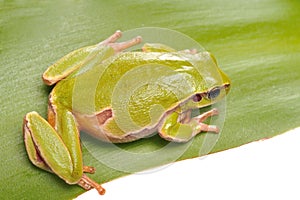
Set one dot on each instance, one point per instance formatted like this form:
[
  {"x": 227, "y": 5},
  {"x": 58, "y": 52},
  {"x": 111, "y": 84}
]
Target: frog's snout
[{"x": 227, "y": 87}]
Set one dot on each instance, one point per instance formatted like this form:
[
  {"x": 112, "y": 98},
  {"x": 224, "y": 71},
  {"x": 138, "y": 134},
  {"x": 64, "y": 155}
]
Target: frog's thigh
[
  {"x": 32, "y": 152},
  {"x": 40, "y": 137},
  {"x": 68, "y": 131}
]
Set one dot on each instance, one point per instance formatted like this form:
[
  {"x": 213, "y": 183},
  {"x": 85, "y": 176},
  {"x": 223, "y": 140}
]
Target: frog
[{"x": 98, "y": 89}]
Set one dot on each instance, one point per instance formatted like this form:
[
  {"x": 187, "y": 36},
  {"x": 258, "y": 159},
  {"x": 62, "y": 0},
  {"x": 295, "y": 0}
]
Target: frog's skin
[{"x": 85, "y": 98}]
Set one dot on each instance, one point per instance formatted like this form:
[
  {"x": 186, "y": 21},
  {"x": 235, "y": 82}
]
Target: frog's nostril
[
  {"x": 227, "y": 85},
  {"x": 197, "y": 97}
]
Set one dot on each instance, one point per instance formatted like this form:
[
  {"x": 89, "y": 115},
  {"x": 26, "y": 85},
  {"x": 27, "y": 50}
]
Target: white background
[{"x": 268, "y": 169}]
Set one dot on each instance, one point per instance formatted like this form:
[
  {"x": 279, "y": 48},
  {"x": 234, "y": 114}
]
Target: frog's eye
[
  {"x": 214, "y": 93},
  {"x": 197, "y": 97}
]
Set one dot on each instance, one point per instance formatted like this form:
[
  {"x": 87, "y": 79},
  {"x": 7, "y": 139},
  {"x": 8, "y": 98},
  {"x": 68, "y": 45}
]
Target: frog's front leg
[
  {"x": 57, "y": 150},
  {"x": 180, "y": 127}
]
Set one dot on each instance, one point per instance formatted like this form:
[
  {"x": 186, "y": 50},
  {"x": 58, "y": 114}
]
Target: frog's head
[
  {"x": 214, "y": 84},
  {"x": 210, "y": 96}
]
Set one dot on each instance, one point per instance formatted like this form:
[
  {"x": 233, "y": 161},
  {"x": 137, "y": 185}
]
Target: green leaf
[{"x": 256, "y": 43}]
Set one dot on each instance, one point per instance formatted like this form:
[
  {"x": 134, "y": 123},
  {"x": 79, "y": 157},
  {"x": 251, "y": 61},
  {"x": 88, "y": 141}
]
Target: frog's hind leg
[
  {"x": 33, "y": 154},
  {"x": 46, "y": 148},
  {"x": 87, "y": 183},
  {"x": 57, "y": 148}
]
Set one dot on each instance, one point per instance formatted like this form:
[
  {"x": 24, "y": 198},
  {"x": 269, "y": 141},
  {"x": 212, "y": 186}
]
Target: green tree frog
[{"x": 120, "y": 96}]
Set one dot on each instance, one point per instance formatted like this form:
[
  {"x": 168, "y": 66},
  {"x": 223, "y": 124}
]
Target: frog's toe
[
  {"x": 87, "y": 184},
  {"x": 207, "y": 128},
  {"x": 191, "y": 51},
  {"x": 118, "y": 47},
  {"x": 204, "y": 116},
  {"x": 111, "y": 39},
  {"x": 89, "y": 169}
]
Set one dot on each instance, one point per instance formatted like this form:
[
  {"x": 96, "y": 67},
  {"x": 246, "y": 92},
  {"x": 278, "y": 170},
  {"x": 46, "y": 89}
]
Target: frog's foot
[
  {"x": 87, "y": 184},
  {"x": 204, "y": 127},
  {"x": 118, "y": 47}
]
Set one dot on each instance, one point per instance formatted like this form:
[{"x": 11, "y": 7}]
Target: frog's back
[
  {"x": 149, "y": 78},
  {"x": 148, "y": 75}
]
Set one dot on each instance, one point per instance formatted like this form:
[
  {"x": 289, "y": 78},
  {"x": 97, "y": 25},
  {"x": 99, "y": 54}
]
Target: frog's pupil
[
  {"x": 214, "y": 93},
  {"x": 197, "y": 98}
]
